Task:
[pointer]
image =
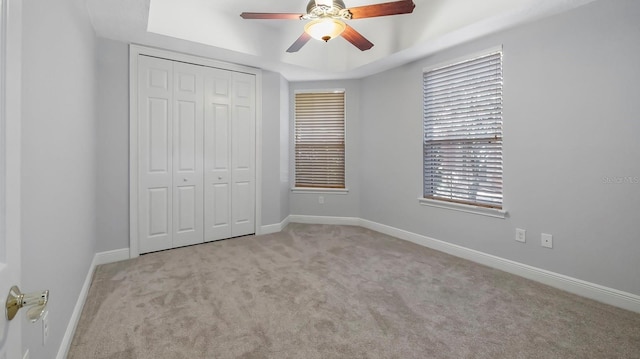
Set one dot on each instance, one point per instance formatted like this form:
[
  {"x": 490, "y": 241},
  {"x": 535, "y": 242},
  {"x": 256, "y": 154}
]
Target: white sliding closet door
[
  {"x": 243, "y": 139},
  {"x": 188, "y": 213},
  {"x": 217, "y": 153},
  {"x": 155, "y": 190},
  {"x": 196, "y": 154},
  {"x": 229, "y": 153},
  {"x": 171, "y": 116}
]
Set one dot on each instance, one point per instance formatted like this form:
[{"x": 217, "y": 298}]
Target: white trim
[
  {"x": 10, "y": 120},
  {"x": 325, "y": 90},
  {"x": 580, "y": 287},
  {"x": 113, "y": 256},
  {"x": 134, "y": 243},
  {"x": 271, "y": 228},
  {"x": 303, "y": 190},
  {"x": 77, "y": 311},
  {"x": 257, "y": 225},
  {"x": 615, "y": 297},
  {"x": 134, "y": 52},
  {"x": 483, "y": 211},
  {"x": 98, "y": 259},
  {"x": 274, "y": 228},
  {"x": 346, "y": 221}
]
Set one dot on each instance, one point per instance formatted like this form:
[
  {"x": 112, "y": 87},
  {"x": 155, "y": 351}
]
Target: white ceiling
[{"x": 213, "y": 28}]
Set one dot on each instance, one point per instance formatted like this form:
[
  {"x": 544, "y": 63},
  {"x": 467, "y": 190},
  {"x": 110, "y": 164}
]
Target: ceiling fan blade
[
  {"x": 270, "y": 16},
  {"x": 384, "y": 9},
  {"x": 354, "y": 37},
  {"x": 297, "y": 45}
]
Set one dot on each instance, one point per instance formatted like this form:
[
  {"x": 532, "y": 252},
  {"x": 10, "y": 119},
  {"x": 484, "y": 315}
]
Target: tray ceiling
[{"x": 213, "y": 28}]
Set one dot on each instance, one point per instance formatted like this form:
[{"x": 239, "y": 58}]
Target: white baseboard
[
  {"x": 98, "y": 259},
  {"x": 580, "y": 287},
  {"x": 274, "y": 228},
  {"x": 112, "y": 256},
  {"x": 75, "y": 316},
  {"x": 346, "y": 221}
]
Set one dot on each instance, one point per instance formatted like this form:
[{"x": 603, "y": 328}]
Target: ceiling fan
[{"x": 327, "y": 20}]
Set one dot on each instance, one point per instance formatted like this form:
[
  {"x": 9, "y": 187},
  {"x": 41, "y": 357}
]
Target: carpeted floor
[{"x": 318, "y": 291}]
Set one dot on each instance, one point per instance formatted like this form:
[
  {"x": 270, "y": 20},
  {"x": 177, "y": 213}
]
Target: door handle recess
[{"x": 16, "y": 300}]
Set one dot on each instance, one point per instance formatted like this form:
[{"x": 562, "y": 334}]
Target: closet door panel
[
  {"x": 188, "y": 143},
  {"x": 158, "y": 141},
  {"x": 186, "y": 209},
  {"x": 220, "y": 123},
  {"x": 243, "y": 155},
  {"x": 155, "y": 209},
  {"x": 158, "y": 210},
  {"x": 217, "y": 154},
  {"x": 220, "y": 203}
]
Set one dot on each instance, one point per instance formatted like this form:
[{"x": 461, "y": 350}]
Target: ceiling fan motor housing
[{"x": 337, "y": 10}]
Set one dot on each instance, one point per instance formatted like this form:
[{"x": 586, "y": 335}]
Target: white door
[
  {"x": 196, "y": 154},
  {"x": 188, "y": 217},
  {"x": 243, "y": 139},
  {"x": 217, "y": 154},
  {"x": 10, "y": 21},
  {"x": 170, "y": 127},
  {"x": 229, "y": 154},
  {"x": 155, "y": 212}
]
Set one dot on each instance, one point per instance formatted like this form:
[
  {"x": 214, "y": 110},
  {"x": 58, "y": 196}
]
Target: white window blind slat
[
  {"x": 463, "y": 132},
  {"x": 476, "y": 84},
  {"x": 464, "y": 68},
  {"x": 319, "y": 140}
]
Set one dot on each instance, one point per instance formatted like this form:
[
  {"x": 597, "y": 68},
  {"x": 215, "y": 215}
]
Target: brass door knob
[{"x": 16, "y": 300}]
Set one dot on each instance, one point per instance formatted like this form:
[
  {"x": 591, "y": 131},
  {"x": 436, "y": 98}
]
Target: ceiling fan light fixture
[{"x": 325, "y": 29}]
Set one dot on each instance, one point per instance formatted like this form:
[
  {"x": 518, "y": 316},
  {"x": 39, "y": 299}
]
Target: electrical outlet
[
  {"x": 321, "y": 199},
  {"x": 521, "y": 235},
  {"x": 45, "y": 327},
  {"x": 547, "y": 240}
]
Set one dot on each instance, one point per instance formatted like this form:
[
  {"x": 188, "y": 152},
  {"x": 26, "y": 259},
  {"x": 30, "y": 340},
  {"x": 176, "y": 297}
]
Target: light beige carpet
[{"x": 317, "y": 291}]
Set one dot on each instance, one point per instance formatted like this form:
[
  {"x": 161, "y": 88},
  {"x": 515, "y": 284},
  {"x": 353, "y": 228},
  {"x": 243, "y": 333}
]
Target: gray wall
[
  {"x": 275, "y": 199},
  {"x": 335, "y": 205},
  {"x": 58, "y": 160},
  {"x": 113, "y": 145},
  {"x": 285, "y": 185},
  {"x": 571, "y": 90}
]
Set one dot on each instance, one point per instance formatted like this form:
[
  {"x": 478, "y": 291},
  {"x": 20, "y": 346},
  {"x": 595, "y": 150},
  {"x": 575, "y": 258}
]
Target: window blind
[
  {"x": 463, "y": 132},
  {"x": 319, "y": 140}
]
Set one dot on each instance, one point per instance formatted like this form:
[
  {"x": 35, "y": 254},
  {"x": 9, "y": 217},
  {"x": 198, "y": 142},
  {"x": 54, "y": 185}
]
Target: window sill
[
  {"x": 320, "y": 190},
  {"x": 489, "y": 212}
]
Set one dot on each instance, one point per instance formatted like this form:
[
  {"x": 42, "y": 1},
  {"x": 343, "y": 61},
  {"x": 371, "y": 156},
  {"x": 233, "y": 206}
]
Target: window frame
[
  {"x": 443, "y": 203},
  {"x": 308, "y": 189}
]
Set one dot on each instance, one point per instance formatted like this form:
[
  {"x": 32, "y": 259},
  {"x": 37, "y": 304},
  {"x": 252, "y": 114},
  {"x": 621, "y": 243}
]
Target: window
[
  {"x": 319, "y": 140},
  {"x": 463, "y": 132}
]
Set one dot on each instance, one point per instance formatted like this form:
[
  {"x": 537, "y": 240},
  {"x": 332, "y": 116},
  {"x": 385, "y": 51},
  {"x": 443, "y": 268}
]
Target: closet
[{"x": 196, "y": 135}]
